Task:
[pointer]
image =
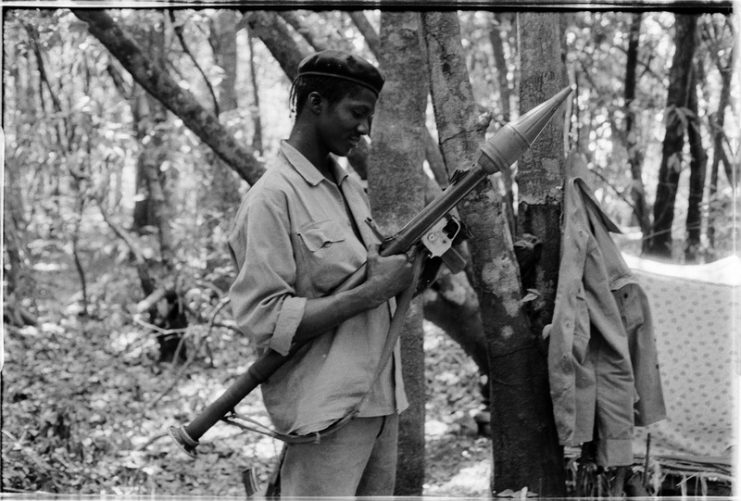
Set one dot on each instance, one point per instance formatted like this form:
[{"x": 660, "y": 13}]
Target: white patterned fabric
[{"x": 696, "y": 311}]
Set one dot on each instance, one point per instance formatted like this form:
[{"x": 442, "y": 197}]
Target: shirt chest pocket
[{"x": 326, "y": 255}]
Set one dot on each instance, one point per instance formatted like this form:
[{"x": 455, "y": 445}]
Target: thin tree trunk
[
  {"x": 500, "y": 61},
  {"x": 223, "y": 40},
  {"x": 178, "y": 100},
  {"x": 538, "y": 459},
  {"x": 717, "y": 121},
  {"x": 396, "y": 184},
  {"x": 660, "y": 241},
  {"x": 224, "y": 194},
  {"x": 256, "y": 119},
  {"x": 698, "y": 166},
  {"x": 505, "y": 93},
  {"x": 635, "y": 152}
]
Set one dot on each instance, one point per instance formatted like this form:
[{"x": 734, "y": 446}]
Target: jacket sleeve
[
  {"x": 636, "y": 317},
  {"x": 262, "y": 296}
]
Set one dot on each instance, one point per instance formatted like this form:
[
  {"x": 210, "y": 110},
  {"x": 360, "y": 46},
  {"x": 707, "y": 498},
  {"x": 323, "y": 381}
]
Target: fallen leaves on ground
[{"x": 79, "y": 415}]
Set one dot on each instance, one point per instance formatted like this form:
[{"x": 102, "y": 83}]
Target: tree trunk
[
  {"x": 660, "y": 241},
  {"x": 540, "y": 181},
  {"x": 495, "y": 274},
  {"x": 224, "y": 195},
  {"x": 500, "y": 61},
  {"x": 178, "y": 100},
  {"x": 635, "y": 152},
  {"x": 717, "y": 121},
  {"x": 698, "y": 166},
  {"x": 496, "y": 34},
  {"x": 452, "y": 305},
  {"x": 256, "y": 119},
  {"x": 396, "y": 183},
  {"x": 223, "y": 40}
]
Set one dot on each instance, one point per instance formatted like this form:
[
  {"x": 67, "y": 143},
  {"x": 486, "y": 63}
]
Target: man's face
[{"x": 345, "y": 122}]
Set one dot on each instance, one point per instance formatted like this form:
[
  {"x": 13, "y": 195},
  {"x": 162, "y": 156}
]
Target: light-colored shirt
[{"x": 293, "y": 240}]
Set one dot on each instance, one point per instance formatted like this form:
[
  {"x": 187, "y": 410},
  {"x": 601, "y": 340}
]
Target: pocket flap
[{"x": 319, "y": 235}]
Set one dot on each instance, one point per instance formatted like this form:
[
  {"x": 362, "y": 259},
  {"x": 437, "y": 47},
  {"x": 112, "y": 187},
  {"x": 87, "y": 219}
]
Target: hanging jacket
[{"x": 602, "y": 361}]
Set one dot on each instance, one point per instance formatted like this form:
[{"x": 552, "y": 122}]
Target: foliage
[{"x": 87, "y": 404}]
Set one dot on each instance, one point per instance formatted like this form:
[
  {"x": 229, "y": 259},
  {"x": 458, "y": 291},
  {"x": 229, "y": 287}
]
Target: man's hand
[{"x": 386, "y": 276}]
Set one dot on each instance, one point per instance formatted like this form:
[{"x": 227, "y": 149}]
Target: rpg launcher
[{"x": 434, "y": 229}]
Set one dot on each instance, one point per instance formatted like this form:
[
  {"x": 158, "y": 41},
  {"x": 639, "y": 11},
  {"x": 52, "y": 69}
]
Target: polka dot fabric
[{"x": 695, "y": 314}]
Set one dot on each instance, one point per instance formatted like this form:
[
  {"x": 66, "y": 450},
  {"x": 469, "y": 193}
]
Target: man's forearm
[{"x": 325, "y": 313}]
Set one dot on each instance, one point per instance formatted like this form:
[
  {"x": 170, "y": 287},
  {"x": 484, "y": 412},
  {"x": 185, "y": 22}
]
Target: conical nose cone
[
  {"x": 531, "y": 124},
  {"x": 511, "y": 141}
]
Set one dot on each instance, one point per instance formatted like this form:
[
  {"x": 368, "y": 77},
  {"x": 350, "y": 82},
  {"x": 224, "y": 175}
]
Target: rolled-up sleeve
[{"x": 262, "y": 296}]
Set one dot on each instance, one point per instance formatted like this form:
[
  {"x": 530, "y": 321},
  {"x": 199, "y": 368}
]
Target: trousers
[{"x": 357, "y": 460}]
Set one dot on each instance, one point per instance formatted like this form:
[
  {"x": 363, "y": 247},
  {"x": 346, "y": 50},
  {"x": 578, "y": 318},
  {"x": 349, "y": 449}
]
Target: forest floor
[{"x": 86, "y": 405}]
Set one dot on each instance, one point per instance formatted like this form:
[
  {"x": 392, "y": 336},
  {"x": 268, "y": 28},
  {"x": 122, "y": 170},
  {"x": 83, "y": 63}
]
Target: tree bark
[
  {"x": 161, "y": 85},
  {"x": 698, "y": 167},
  {"x": 396, "y": 187},
  {"x": 516, "y": 448},
  {"x": 659, "y": 242},
  {"x": 635, "y": 152},
  {"x": 538, "y": 461},
  {"x": 432, "y": 150}
]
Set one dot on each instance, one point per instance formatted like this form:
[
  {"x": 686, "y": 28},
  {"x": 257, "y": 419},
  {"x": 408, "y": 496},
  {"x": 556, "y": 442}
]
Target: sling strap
[{"x": 403, "y": 303}]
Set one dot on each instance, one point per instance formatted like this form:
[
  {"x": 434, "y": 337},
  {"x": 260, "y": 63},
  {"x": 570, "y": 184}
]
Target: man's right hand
[{"x": 386, "y": 276}]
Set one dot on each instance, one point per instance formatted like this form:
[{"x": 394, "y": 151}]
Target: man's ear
[{"x": 314, "y": 101}]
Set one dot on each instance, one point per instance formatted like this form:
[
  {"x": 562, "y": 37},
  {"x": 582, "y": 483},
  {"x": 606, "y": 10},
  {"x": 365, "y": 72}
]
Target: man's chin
[{"x": 344, "y": 151}]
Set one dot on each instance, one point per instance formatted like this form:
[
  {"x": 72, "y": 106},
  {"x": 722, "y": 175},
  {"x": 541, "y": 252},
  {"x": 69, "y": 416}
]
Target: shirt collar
[{"x": 307, "y": 170}]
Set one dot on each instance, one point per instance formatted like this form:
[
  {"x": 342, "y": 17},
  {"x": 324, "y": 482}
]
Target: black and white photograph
[{"x": 371, "y": 249}]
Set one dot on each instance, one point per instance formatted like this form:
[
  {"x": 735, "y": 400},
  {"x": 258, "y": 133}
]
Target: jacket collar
[
  {"x": 307, "y": 170},
  {"x": 592, "y": 204}
]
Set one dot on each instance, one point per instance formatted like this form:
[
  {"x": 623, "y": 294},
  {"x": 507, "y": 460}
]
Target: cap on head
[{"x": 337, "y": 64}]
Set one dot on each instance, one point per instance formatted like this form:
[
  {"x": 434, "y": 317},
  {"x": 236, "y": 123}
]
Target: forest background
[{"x": 118, "y": 200}]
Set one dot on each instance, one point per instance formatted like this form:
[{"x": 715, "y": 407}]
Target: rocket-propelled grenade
[
  {"x": 497, "y": 154},
  {"x": 427, "y": 228}
]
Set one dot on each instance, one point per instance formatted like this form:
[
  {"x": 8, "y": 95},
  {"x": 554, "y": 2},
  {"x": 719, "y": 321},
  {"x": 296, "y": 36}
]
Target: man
[{"x": 301, "y": 229}]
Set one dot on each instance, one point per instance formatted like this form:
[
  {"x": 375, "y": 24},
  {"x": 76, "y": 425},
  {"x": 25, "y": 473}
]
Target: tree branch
[
  {"x": 366, "y": 29},
  {"x": 178, "y": 28},
  {"x": 292, "y": 19},
  {"x": 161, "y": 85}
]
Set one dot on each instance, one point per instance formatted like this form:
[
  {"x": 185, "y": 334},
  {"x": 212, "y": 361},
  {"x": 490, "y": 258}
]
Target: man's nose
[{"x": 364, "y": 127}]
